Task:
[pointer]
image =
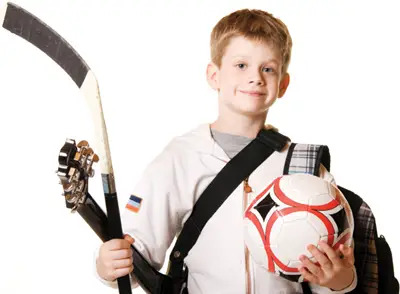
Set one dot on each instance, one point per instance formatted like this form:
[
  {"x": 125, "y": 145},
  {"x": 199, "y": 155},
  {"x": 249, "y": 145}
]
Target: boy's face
[{"x": 249, "y": 79}]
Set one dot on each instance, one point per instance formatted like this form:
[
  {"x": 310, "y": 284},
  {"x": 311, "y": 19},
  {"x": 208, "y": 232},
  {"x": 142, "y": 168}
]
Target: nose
[{"x": 257, "y": 79}]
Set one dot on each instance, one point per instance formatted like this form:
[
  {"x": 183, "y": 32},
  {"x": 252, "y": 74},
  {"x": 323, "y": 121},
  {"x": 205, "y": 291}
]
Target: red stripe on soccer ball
[
  {"x": 270, "y": 223},
  {"x": 286, "y": 211},
  {"x": 267, "y": 243},
  {"x": 324, "y": 219},
  {"x": 328, "y": 225},
  {"x": 252, "y": 217},
  {"x": 331, "y": 205},
  {"x": 286, "y": 200}
]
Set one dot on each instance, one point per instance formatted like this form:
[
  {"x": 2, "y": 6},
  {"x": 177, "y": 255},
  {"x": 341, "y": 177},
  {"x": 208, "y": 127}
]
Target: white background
[{"x": 150, "y": 59}]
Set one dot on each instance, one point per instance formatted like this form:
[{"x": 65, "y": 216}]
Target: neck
[{"x": 240, "y": 125}]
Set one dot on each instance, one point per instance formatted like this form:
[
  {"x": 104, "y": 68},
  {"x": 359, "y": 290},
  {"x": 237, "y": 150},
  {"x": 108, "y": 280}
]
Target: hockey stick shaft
[{"x": 32, "y": 29}]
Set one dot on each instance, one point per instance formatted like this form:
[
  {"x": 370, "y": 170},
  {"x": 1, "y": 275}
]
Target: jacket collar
[
  {"x": 204, "y": 142},
  {"x": 201, "y": 140}
]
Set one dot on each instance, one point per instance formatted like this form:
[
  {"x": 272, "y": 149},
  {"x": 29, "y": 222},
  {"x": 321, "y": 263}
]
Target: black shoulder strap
[{"x": 227, "y": 180}]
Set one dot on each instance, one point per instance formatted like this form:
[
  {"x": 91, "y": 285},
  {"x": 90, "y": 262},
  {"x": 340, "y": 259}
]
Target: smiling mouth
[{"x": 253, "y": 93}]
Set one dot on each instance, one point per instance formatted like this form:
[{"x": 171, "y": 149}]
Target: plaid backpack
[{"x": 373, "y": 257}]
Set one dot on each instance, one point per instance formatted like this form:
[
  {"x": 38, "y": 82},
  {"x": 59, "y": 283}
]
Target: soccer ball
[{"x": 291, "y": 213}]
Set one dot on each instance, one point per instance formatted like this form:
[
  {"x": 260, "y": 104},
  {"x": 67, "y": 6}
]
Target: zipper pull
[{"x": 247, "y": 187}]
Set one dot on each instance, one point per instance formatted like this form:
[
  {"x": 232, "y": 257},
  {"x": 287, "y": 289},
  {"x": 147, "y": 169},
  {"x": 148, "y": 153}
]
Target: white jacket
[{"x": 171, "y": 185}]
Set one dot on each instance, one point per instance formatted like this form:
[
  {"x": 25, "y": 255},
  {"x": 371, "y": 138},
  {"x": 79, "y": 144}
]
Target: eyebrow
[{"x": 247, "y": 56}]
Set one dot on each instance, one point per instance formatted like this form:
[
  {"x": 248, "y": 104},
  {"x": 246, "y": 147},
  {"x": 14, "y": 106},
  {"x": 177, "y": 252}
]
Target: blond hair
[{"x": 254, "y": 24}]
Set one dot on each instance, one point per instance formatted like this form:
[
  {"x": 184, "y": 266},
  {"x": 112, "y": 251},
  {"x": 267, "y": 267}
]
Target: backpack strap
[
  {"x": 306, "y": 158},
  {"x": 226, "y": 181}
]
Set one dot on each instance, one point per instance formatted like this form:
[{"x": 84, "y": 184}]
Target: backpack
[{"x": 373, "y": 257}]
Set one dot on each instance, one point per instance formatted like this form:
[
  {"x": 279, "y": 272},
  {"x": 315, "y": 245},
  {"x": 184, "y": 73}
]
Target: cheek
[
  {"x": 230, "y": 78},
  {"x": 229, "y": 85},
  {"x": 273, "y": 86}
]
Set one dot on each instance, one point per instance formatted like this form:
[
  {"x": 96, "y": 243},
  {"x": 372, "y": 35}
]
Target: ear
[
  {"x": 212, "y": 76},
  {"x": 283, "y": 85}
]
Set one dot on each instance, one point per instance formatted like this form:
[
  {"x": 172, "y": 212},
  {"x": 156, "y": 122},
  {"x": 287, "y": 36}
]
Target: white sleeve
[{"x": 158, "y": 218}]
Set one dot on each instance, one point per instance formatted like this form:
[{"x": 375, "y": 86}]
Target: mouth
[{"x": 253, "y": 93}]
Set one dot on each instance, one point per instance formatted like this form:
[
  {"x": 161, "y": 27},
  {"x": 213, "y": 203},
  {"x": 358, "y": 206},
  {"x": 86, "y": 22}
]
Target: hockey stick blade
[{"x": 27, "y": 26}]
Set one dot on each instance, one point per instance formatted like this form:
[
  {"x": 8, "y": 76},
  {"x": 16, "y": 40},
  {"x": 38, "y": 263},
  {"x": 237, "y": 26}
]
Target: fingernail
[{"x": 129, "y": 238}]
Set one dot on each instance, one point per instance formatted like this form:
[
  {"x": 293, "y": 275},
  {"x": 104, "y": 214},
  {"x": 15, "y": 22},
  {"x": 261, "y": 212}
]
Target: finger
[
  {"x": 348, "y": 254},
  {"x": 128, "y": 238},
  {"x": 121, "y": 254},
  {"x": 307, "y": 275},
  {"x": 333, "y": 256},
  {"x": 117, "y": 244},
  {"x": 311, "y": 267},
  {"x": 320, "y": 257},
  {"x": 120, "y": 272},
  {"x": 122, "y": 263},
  {"x": 346, "y": 250}
]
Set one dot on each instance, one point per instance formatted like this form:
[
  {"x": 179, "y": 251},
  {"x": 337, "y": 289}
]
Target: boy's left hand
[{"x": 335, "y": 269}]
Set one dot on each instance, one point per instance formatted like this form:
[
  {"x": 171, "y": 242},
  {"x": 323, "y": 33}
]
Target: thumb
[{"x": 128, "y": 238}]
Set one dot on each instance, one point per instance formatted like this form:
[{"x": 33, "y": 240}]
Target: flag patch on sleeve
[{"x": 134, "y": 203}]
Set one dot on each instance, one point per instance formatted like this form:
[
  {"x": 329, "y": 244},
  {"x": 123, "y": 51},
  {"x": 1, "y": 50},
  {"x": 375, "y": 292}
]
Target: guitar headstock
[{"x": 74, "y": 169}]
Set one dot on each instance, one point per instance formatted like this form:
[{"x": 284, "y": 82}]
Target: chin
[
  {"x": 253, "y": 109},
  {"x": 251, "y": 112}
]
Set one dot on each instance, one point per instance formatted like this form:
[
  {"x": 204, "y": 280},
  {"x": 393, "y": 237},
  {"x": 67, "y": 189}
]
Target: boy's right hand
[{"x": 115, "y": 258}]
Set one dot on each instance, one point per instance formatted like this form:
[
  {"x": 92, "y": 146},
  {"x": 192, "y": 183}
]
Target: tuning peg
[
  {"x": 83, "y": 143},
  {"x": 95, "y": 158},
  {"x": 87, "y": 151}
]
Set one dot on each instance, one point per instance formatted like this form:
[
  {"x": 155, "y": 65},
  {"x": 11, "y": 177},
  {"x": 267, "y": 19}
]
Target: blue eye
[{"x": 268, "y": 69}]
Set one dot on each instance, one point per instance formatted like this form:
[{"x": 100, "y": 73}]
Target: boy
[{"x": 250, "y": 53}]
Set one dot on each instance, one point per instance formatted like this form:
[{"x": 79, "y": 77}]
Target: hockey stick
[{"x": 29, "y": 27}]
